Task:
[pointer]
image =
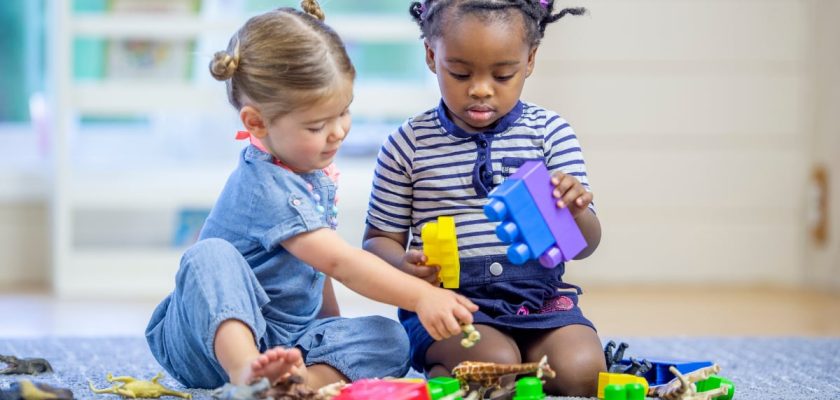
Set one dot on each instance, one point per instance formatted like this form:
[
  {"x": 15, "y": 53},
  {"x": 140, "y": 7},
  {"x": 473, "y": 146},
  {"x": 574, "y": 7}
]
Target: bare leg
[
  {"x": 320, "y": 375},
  {"x": 239, "y": 356},
  {"x": 574, "y": 352},
  {"x": 495, "y": 346}
]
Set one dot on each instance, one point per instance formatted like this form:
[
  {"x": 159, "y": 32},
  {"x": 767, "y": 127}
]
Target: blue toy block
[
  {"x": 521, "y": 223},
  {"x": 569, "y": 241},
  {"x": 659, "y": 373}
]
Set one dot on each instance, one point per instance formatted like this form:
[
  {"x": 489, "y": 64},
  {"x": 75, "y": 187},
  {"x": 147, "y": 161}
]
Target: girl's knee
[
  {"x": 578, "y": 374},
  {"x": 210, "y": 257}
]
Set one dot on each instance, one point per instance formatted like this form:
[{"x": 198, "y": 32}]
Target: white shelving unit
[{"x": 148, "y": 271}]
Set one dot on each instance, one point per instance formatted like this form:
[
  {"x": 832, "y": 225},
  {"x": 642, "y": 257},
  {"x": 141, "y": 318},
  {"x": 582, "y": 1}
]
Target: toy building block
[
  {"x": 521, "y": 223},
  {"x": 630, "y": 391},
  {"x": 683, "y": 387},
  {"x": 443, "y": 386},
  {"x": 659, "y": 372},
  {"x": 715, "y": 382},
  {"x": 607, "y": 378},
  {"x": 366, "y": 389},
  {"x": 440, "y": 245},
  {"x": 529, "y": 388},
  {"x": 530, "y": 219},
  {"x": 569, "y": 241}
]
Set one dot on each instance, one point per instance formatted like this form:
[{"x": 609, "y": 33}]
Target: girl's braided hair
[{"x": 537, "y": 14}]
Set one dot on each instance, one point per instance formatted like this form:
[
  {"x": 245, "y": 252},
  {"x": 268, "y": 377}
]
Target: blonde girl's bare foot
[{"x": 276, "y": 364}]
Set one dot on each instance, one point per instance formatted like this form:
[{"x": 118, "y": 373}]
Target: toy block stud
[
  {"x": 529, "y": 388},
  {"x": 615, "y": 392},
  {"x": 440, "y": 245}
]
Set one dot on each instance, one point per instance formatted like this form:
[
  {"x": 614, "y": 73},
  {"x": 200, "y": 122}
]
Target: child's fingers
[
  {"x": 573, "y": 194},
  {"x": 452, "y": 326},
  {"x": 472, "y": 307},
  {"x": 463, "y": 315},
  {"x": 415, "y": 257}
]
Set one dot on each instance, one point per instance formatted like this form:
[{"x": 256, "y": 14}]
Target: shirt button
[
  {"x": 496, "y": 269},
  {"x": 482, "y": 157},
  {"x": 483, "y": 144}
]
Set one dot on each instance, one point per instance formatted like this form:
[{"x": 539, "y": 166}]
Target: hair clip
[{"x": 544, "y": 3}]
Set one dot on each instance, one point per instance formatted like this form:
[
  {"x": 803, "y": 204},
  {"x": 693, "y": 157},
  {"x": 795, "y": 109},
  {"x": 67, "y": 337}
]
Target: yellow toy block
[
  {"x": 440, "y": 245},
  {"x": 609, "y": 378}
]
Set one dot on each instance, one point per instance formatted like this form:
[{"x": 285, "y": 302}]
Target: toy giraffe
[
  {"x": 489, "y": 375},
  {"x": 134, "y": 388},
  {"x": 683, "y": 388}
]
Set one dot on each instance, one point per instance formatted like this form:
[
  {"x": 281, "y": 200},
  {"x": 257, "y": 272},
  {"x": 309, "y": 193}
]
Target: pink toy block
[
  {"x": 366, "y": 389},
  {"x": 569, "y": 240}
]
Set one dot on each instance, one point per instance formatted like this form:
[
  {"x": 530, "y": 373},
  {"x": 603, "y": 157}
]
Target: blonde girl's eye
[{"x": 316, "y": 129}]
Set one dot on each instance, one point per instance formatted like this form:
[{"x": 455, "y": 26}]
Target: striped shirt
[{"x": 430, "y": 167}]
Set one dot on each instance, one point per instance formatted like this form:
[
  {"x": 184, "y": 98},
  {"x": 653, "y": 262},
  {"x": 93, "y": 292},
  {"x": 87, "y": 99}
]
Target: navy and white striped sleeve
[
  {"x": 563, "y": 152},
  {"x": 390, "y": 205}
]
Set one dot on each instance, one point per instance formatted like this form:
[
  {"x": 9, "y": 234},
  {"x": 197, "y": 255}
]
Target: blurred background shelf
[{"x": 143, "y": 138}]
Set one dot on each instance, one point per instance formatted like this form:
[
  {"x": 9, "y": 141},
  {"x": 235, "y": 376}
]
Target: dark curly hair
[{"x": 537, "y": 14}]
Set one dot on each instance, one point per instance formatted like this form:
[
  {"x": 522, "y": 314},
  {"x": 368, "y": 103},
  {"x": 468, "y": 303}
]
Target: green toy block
[
  {"x": 714, "y": 382},
  {"x": 615, "y": 392},
  {"x": 629, "y": 391},
  {"x": 442, "y": 386},
  {"x": 635, "y": 391},
  {"x": 529, "y": 388}
]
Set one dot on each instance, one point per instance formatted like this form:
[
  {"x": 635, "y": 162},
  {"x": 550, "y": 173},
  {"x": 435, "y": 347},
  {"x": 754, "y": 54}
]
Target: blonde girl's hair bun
[
  {"x": 312, "y": 8},
  {"x": 224, "y": 64}
]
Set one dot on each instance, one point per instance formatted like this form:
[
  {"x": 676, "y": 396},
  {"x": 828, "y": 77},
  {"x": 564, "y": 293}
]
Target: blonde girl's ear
[
  {"x": 253, "y": 121},
  {"x": 430, "y": 56},
  {"x": 532, "y": 58}
]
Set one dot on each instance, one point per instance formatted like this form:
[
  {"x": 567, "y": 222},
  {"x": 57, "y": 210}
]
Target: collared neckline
[{"x": 501, "y": 125}]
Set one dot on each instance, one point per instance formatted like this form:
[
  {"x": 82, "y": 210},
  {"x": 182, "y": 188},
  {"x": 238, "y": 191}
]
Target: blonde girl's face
[{"x": 308, "y": 139}]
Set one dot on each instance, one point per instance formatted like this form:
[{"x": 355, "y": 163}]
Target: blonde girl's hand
[
  {"x": 414, "y": 263},
  {"x": 570, "y": 193},
  {"x": 442, "y": 312}
]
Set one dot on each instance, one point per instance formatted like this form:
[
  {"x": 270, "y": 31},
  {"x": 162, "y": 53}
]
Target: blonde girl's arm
[{"x": 441, "y": 311}]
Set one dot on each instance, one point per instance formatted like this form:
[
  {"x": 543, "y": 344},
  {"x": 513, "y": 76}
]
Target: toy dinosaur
[
  {"x": 131, "y": 387},
  {"x": 614, "y": 365},
  {"x": 27, "y": 390},
  {"x": 30, "y": 366},
  {"x": 683, "y": 386},
  {"x": 253, "y": 391},
  {"x": 489, "y": 375}
]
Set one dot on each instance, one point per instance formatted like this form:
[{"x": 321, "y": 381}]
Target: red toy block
[{"x": 366, "y": 389}]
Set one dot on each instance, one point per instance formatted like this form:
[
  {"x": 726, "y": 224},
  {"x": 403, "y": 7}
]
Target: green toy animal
[{"x": 134, "y": 388}]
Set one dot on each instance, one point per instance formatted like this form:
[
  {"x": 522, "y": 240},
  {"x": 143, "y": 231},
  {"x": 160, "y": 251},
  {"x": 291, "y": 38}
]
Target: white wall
[{"x": 694, "y": 117}]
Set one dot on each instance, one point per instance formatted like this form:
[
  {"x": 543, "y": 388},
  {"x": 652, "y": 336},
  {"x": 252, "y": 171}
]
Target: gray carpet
[{"x": 761, "y": 368}]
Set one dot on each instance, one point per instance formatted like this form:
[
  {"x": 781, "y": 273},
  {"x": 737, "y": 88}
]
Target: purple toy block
[
  {"x": 521, "y": 223},
  {"x": 569, "y": 240}
]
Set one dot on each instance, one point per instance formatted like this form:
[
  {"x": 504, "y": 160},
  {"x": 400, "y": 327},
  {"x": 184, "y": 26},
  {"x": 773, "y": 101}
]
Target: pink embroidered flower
[{"x": 559, "y": 303}]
